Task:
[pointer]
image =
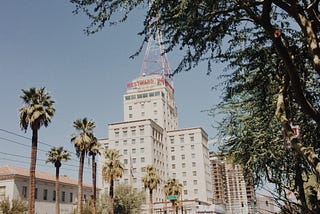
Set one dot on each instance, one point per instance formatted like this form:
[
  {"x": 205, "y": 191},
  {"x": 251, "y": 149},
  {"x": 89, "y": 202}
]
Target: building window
[
  {"x": 183, "y": 157},
  {"x": 142, "y": 105},
  {"x": 191, "y": 138},
  {"x": 141, "y": 140},
  {"x": 130, "y": 107},
  {"x": 133, "y": 151},
  {"x": 126, "y": 180},
  {"x": 195, "y": 191},
  {"x": 141, "y": 131},
  {"x": 134, "y": 160},
  {"x": 124, "y": 133},
  {"x": 116, "y": 143},
  {"x": 184, "y": 183},
  {"x": 193, "y": 164},
  {"x": 183, "y": 165},
  {"x": 192, "y": 147},
  {"x": 45, "y": 194},
  {"x": 116, "y": 134},
  {"x": 36, "y": 194},
  {"x": 24, "y": 191},
  {"x": 71, "y": 197},
  {"x": 194, "y": 173},
  {"x": 2, "y": 192},
  {"x": 182, "y": 148},
  {"x": 184, "y": 174},
  {"x": 174, "y": 174},
  {"x": 181, "y": 139},
  {"x": 193, "y": 155},
  {"x": 133, "y": 132},
  {"x": 142, "y": 159},
  {"x": 63, "y": 196},
  {"x": 173, "y": 166},
  {"x": 185, "y": 192},
  {"x": 173, "y": 157},
  {"x": 133, "y": 141},
  {"x": 142, "y": 114},
  {"x": 172, "y": 149},
  {"x": 54, "y": 195},
  {"x": 125, "y": 142},
  {"x": 155, "y": 112},
  {"x": 125, "y": 161},
  {"x": 195, "y": 182},
  {"x": 154, "y": 104},
  {"x": 171, "y": 140},
  {"x": 142, "y": 150},
  {"x": 125, "y": 151},
  {"x": 130, "y": 116}
]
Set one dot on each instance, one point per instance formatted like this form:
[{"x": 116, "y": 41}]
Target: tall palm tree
[
  {"x": 36, "y": 111},
  {"x": 112, "y": 170},
  {"x": 56, "y": 155},
  {"x": 173, "y": 187},
  {"x": 82, "y": 142},
  {"x": 95, "y": 148},
  {"x": 151, "y": 181}
]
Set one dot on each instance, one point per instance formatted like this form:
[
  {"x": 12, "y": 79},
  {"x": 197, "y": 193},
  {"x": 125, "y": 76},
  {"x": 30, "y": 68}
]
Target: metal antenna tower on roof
[{"x": 155, "y": 59}]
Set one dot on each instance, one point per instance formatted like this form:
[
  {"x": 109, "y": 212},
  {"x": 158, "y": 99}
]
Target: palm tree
[
  {"x": 82, "y": 142},
  {"x": 151, "y": 181},
  {"x": 95, "y": 148},
  {"x": 112, "y": 170},
  {"x": 174, "y": 188},
  {"x": 56, "y": 155},
  {"x": 37, "y": 111}
]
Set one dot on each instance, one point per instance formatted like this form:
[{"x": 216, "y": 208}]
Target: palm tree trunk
[
  {"x": 94, "y": 184},
  {"x": 32, "y": 181},
  {"x": 57, "y": 191},
  {"x": 111, "y": 195},
  {"x": 80, "y": 177},
  {"x": 150, "y": 201}
]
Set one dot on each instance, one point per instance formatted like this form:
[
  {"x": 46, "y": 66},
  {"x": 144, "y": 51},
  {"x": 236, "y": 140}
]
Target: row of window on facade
[
  {"x": 181, "y": 139},
  {"x": 125, "y": 142},
  {"x": 46, "y": 197},
  {"x": 182, "y": 148},
  {"x": 183, "y": 156},
  {"x": 144, "y": 95},
  {"x": 183, "y": 165},
  {"x": 184, "y": 174},
  {"x": 125, "y": 132}
]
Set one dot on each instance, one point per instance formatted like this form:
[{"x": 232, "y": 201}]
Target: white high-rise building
[{"x": 149, "y": 134}]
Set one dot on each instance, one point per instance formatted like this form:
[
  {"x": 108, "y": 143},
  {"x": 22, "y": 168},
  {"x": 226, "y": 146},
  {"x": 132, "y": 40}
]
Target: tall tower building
[
  {"x": 231, "y": 188},
  {"x": 149, "y": 134}
]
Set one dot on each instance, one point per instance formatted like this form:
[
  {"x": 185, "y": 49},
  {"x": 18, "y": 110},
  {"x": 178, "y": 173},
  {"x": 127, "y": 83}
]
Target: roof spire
[{"x": 155, "y": 59}]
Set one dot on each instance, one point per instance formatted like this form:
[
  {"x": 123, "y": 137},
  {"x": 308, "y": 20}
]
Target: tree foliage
[
  {"x": 16, "y": 206},
  {"x": 271, "y": 81},
  {"x": 37, "y": 111}
]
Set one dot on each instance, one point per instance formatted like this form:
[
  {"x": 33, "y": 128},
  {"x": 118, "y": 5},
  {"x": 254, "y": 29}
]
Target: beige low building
[{"x": 14, "y": 184}]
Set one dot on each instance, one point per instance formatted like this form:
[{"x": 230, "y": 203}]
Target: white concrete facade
[
  {"x": 145, "y": 137},
  {"x": 15, "y": 183}
]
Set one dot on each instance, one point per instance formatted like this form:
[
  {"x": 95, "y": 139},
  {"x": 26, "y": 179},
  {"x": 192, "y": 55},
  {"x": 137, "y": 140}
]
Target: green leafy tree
[
  {"x": 36, "y": 111},
  {"x": 128, "y": 200},
  {"x": 204, "y": 28},
  {"x": 173, "y": 187},
  {"x": 111, "y": 170},
  {"x": 82, "y": 142},
  {"x": 95, "y": 148},
  {"x": 150, "y": 182},
  {"x": 272, "y": 51},
  {"x": 15, "y": 207},
  {"x": 56, "y": 156}
]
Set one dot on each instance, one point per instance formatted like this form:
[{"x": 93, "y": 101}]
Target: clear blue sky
[{"x": 42, "y": 44}]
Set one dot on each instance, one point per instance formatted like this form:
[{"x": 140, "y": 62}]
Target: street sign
[{"x": 172, "y": 197}]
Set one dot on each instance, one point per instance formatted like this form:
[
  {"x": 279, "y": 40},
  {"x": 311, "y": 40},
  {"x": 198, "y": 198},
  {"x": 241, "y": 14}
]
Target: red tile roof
[{"x": 6, "y": 171}]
